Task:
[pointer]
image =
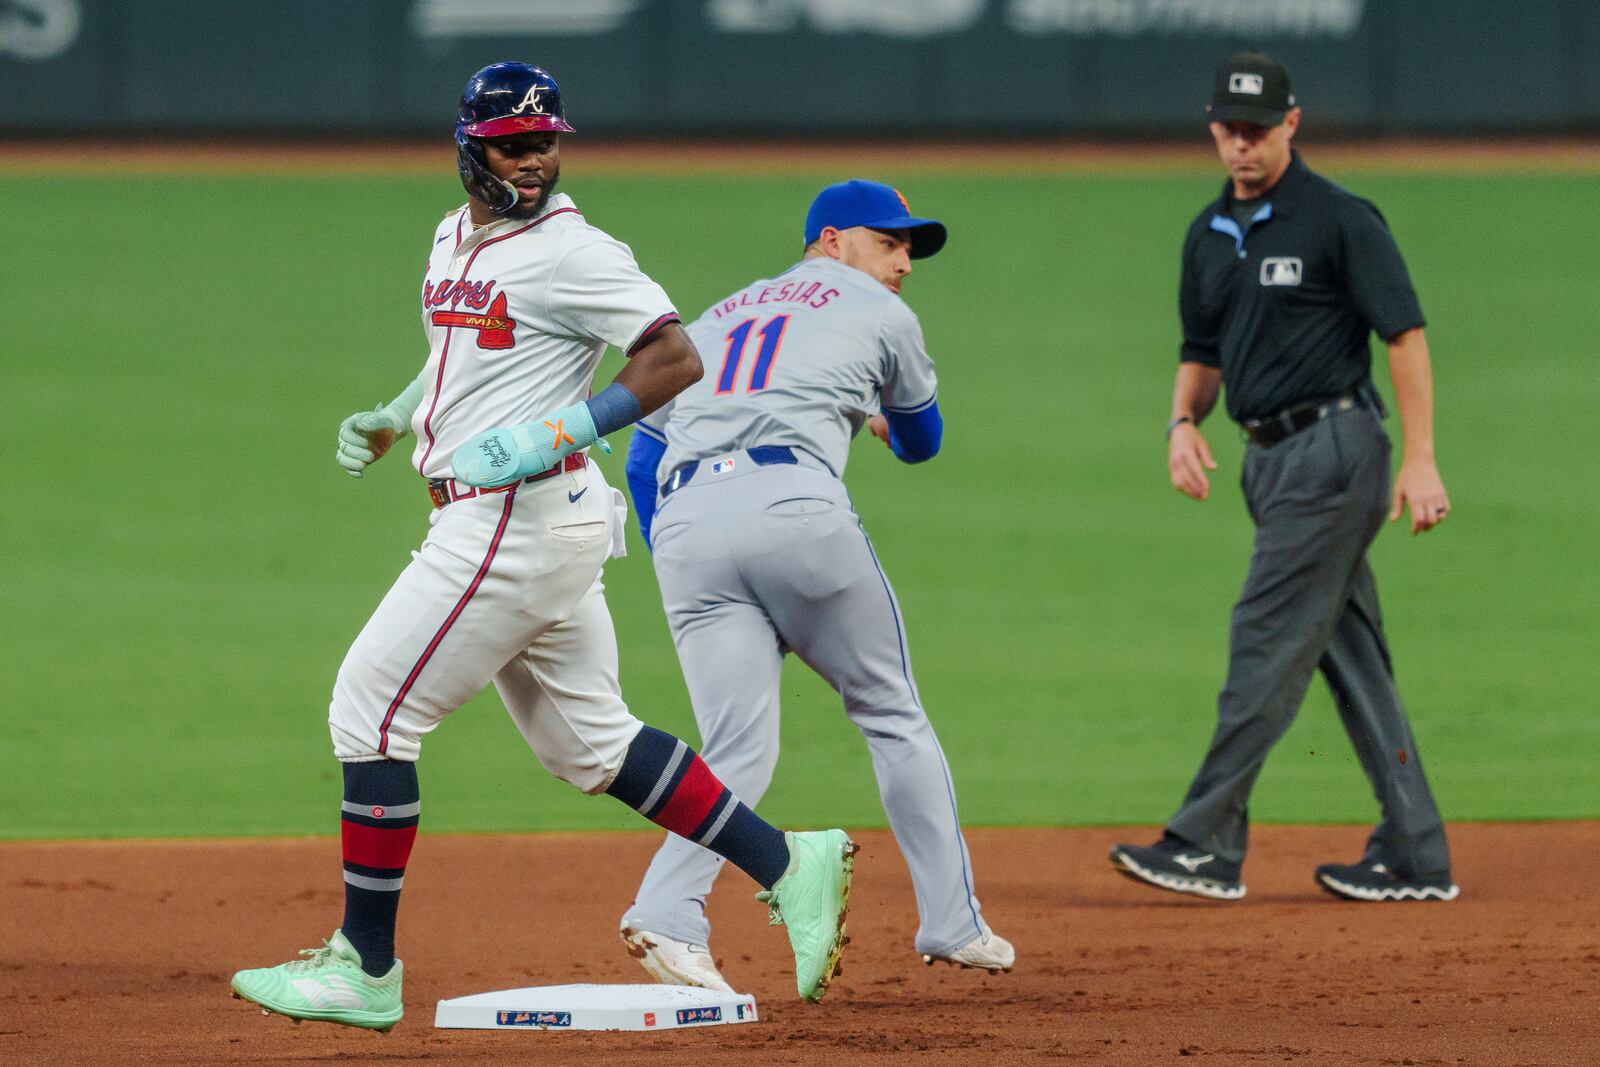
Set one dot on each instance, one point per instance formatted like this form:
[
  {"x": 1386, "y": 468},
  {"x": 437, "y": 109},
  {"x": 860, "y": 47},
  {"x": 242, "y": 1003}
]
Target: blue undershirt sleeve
[
  {"x": 644, "y": 456},
  {"x": 914, "y": 437}
]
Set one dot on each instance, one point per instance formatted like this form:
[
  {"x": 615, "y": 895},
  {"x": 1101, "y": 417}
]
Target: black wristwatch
[{"x": 1179, "y": 421}]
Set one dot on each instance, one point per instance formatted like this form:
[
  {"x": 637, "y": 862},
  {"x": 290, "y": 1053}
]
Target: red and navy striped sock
[
  {"x": 377, "y": 828},
  {"x": 664, "y": 780}
]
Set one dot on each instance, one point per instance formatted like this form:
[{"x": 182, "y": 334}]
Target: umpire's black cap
[{"x": 1250, "y": 87}]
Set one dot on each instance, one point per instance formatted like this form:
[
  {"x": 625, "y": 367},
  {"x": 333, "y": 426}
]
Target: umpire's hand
[
  {"x": 1419, "y": 484},
  {"x": 1188, "y": 459}
]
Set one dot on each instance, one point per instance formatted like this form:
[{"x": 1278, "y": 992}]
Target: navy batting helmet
[{"x": 500, "y": 100}]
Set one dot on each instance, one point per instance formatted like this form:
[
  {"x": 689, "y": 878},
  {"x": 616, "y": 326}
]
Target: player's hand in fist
[
  {"x": 878, "y": 426},
  {"x": 366, "y": 436}
]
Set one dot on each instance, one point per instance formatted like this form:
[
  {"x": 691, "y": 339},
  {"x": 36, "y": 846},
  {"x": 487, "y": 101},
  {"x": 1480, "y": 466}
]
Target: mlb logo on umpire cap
[
  {"x": 1250, "y": 87},
  {"x": 1280, "y": 270},
  {"x": 1243, "y": 82}
]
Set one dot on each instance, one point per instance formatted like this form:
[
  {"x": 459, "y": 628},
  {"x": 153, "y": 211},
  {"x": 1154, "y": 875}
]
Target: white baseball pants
[{"x": 505, "y": 588}]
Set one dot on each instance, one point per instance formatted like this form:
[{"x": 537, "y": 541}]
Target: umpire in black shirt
[{"x": 1284, "y": 278}]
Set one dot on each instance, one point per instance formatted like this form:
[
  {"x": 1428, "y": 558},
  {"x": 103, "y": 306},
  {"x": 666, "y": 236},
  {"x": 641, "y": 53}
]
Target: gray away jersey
[{"x": 803, "y": 360}]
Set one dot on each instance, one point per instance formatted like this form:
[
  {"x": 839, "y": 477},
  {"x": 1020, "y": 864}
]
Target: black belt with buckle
[
  {"x": 1274, "y": 428},
  {"x": 760, "y": 455}
]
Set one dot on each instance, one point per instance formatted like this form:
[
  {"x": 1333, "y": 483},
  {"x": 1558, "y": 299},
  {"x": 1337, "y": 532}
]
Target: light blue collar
[{"x": 1225, "y": 224}]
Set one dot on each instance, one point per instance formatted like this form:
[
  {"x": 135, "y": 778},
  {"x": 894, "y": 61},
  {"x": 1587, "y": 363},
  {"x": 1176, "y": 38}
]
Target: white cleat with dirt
[
  {"x": 673, "y": 962},
  {"x": 987, "y": 952}
]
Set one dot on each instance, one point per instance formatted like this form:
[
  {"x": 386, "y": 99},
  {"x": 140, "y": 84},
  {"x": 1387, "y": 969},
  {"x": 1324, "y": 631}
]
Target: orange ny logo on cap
[{"x": 903, "y": 203}]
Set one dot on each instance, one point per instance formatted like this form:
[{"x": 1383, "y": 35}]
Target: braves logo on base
[{"x": 533, "y": 1018}]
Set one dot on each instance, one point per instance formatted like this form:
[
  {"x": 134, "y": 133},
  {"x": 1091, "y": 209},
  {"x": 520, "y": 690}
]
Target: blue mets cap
[{"x": 873, "y": 204}]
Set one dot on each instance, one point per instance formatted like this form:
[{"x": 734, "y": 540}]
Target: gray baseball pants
[
  {"x": 1318, "y": 499},
  {"x": 758, "y": 561}
]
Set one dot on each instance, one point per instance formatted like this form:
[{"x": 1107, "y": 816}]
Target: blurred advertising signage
[
  {"x": 488, "y": 18},
  {"x": 906, "y": 18},
  {"x": 38, "y": 29},
  {"x": 1228, "y": 18}
]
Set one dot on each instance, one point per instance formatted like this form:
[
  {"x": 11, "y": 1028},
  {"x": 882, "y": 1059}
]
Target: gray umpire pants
[
  {"x": 1318, "y": 499},
  {"x": 763, "y": 560}
]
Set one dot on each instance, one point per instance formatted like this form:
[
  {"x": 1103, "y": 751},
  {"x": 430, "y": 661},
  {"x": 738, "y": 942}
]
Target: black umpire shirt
[{"x": 1285, "y": 303}]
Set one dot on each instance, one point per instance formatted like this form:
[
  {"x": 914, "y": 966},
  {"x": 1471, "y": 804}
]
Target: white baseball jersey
[
  {"x": 803, "y": 360},
  {"x": 506, "y": 587},
  {"x": 518, "y": 314}
]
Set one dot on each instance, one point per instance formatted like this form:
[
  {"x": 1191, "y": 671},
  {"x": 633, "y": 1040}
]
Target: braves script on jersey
[
  {"x": 518, "y": 314},
  {"x": 859, "y": 345}
]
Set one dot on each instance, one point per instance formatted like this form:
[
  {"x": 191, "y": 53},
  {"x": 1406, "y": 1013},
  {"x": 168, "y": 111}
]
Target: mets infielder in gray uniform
[{"x": 759, "y": 552}]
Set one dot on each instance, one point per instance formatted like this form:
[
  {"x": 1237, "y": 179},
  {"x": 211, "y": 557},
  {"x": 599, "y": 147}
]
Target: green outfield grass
[{"x": 185, "y": 565}]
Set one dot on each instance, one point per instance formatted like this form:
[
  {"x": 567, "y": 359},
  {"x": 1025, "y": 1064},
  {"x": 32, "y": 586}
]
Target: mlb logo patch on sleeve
[{"x": 1280, "y": 270}]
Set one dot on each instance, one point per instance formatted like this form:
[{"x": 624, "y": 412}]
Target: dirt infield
[
  {"x": 655, "y": 158},
  {"x": 121, "y": 952}
]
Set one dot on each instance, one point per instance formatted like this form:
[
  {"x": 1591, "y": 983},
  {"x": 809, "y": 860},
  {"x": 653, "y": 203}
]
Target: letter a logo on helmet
[{"x": 530, "y": 102}]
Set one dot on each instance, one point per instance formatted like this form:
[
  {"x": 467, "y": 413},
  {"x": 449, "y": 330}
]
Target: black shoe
[
  {"x": 1173, "y": 864},
  {"x": 1375, "y": 882}
]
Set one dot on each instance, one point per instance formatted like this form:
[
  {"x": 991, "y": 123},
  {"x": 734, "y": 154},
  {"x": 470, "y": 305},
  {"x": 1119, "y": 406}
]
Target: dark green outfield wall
[{"x": 715, "y": 67}]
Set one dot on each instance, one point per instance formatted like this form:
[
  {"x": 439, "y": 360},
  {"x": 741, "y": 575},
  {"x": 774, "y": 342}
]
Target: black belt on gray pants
[
  {"x": 1274, "y": 428},
  {"x": 760, "y": 455}
]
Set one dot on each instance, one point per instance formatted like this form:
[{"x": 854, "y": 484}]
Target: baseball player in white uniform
[
  {"x": 759, "y": 552},
  {"x": 520, "y": 300}
]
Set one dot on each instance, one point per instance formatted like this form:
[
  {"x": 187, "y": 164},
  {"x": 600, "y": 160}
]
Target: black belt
[
  {"x": 760, "y": 455},
  {"x": 1274, "y": 428}
]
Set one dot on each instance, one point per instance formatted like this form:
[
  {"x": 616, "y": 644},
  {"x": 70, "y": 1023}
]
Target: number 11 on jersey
[{"x": 771, "y": 337}]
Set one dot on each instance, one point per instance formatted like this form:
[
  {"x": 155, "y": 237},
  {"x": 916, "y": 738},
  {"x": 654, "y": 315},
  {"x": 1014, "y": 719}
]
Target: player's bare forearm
[
  {"x": 661, "y": 368},
  {"x": 1418, "y": 482},
  {"x": 1194, "y": 394}
]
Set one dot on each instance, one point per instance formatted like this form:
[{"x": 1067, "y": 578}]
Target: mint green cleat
[
  {"x": 327, "y": 986},
  {"x": 810, "y": 901}
]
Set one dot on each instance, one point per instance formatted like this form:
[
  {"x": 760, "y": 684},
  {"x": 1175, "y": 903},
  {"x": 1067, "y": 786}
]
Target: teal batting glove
[
  {"x": 508, "y": 454},
  {"x": 365, "y": 436}
]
